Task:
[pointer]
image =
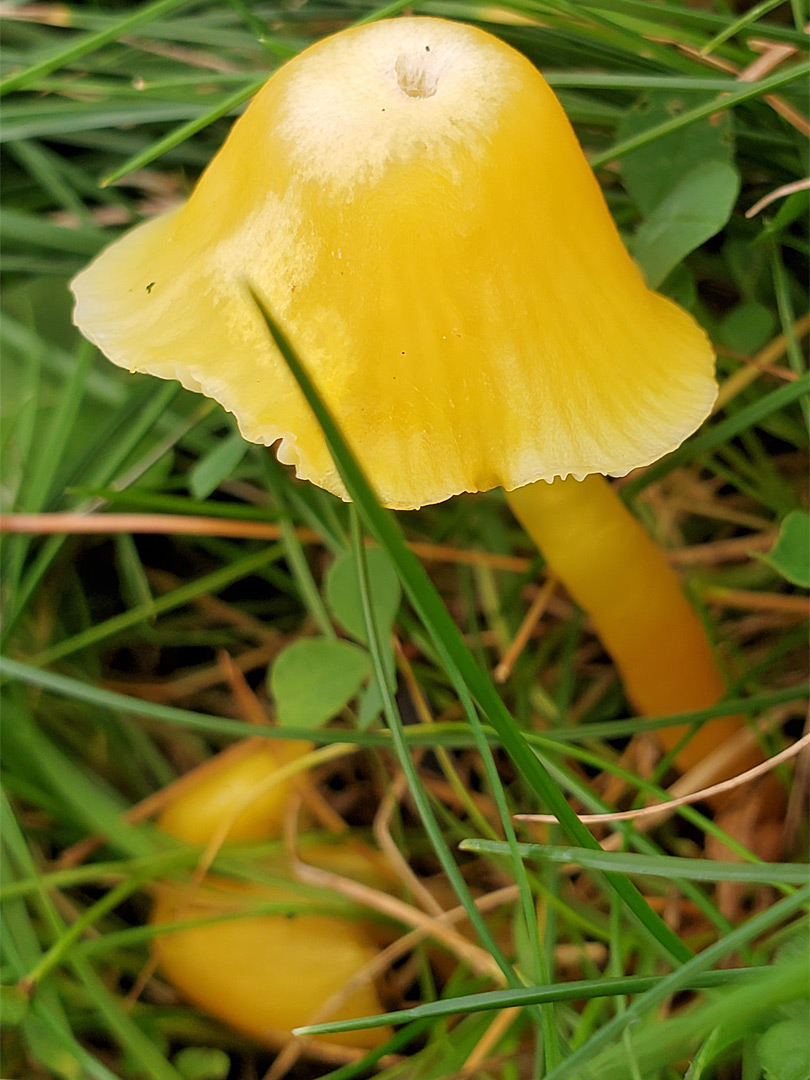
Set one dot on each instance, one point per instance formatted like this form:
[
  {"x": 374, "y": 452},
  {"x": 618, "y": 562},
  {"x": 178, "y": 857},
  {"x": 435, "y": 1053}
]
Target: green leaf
[
  {"x": 344, "y": 598},
  {"x": 371, "y": 706},
  {"x": 217, "y": 465},
  {"x": 697, "y": 208},
  {"x": 651, "y": 173},
  {"x": 343, "y": 592},
  {"x": 790, "y": 554},
  {"x": 747, "y": 328},
  {"x": 784, "y": 1051},
  {"x": 202, "y": 1063},
  {"x": 314, "y": 678}
]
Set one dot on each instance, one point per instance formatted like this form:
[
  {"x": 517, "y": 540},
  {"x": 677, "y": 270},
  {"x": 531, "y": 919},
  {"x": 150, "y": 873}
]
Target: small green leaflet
[
  {"x": 747, "y": 328},
  {"x": 202, "y": 1063},
  {"x": 790, "y": 554},
  {"x": 315, "y": 678},
  {"x": 693, "y": 211},
  {"x": 655, "y": 170},
  {"x": 343, "y": 592},
  {"x": 343, "y": 598},
  {"x": 784, "y": 1051}
]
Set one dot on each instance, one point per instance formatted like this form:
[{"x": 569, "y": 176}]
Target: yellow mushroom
[
  {"x": 411, "y": 202},
  {"x": 267, "y": 973},
  {"x": 239, "y": 792},
  {"x": 264, "y": 973}
]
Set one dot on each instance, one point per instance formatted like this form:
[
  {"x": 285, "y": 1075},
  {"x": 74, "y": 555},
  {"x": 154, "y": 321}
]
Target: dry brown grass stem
[
  {"x": 247, "y": 704},
  {"x": 718, "y": 551},
  {"x": 714, "y": 510},
  {"x": 431, "y": 926},
  {"x": 533, "y": 616},
  {"x": 189, "y": 525},
  {"x": 373, "y": 970},
  {"x": 773, "y": 54},
  {"x": 778, "y": 193},
  {"x": 758, "y": 364},
  {"x": 746, "y": 600},
  {"x": 655, "y": 811},
  {"x": 196, "y": 58},
  {"x": 195, "y": 681},
  {"x": 498, "y": 1027},
  {"x": 218, "y": 610},
  {"x": 736, "y": 549},
  {"x": 594, "y": 692},
  {"x": 382, "y": 834},
  {"x": 45, "y": 14},
  {"x": 796, "y": 810}
]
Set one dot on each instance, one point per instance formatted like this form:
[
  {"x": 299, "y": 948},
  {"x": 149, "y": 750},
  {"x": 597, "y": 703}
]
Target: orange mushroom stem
[
  {"x": 411, "y": 202},
  {"x": 613, "y": 569}
]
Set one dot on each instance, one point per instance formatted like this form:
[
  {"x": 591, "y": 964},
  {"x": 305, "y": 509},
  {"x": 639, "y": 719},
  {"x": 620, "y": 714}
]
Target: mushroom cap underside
[{"x": 410, "y": 201}]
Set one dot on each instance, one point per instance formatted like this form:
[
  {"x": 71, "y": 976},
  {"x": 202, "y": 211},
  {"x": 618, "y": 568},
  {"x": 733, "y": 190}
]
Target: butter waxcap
[{"x": 411, "y": 202}]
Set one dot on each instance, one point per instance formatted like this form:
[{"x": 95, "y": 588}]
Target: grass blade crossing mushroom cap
[{"x": 411, "y": 201}]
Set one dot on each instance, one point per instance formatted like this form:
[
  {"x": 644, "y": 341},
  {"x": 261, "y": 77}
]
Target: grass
[{"x": 618, "y": 962}]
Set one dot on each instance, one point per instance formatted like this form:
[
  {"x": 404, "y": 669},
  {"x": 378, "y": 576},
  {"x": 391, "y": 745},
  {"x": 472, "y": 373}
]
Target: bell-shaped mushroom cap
[{"x": 411, "y": 201}]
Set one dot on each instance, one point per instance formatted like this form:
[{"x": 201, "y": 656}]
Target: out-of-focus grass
[{"x": 111, "y": 686}]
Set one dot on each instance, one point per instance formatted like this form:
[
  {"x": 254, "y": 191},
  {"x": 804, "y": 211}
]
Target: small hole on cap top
[{"x": 414, "y": 76}]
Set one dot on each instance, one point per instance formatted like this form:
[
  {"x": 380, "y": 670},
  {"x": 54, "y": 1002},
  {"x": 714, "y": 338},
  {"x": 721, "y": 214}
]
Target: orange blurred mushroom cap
[{"x": 412, "y": 203}]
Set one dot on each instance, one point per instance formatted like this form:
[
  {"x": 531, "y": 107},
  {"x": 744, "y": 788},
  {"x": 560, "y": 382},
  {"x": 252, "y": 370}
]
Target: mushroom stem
[{"x": 613, "y": 570}]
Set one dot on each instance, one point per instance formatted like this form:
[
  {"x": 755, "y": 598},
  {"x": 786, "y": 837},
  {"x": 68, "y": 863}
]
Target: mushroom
[
  {"x": 267, "y": 972},
  {"x": 411, "y": 202},
  {"x": 250, "y": 956},
  {"x": 234, "y": 794}
]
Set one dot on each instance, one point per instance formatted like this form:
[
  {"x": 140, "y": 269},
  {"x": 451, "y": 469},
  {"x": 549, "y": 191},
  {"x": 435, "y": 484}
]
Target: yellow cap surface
[
  {"x": 266, "y": 974},
  {"x": 412, "y": 203},
  {"x": 237, "y": 793}
]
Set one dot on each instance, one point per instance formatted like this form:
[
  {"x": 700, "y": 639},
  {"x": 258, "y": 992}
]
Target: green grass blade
[
  {"x": 88, "y": 44},
  {"x": 453, "y": 735},
  {"x": 679, "y": 980},
  {"x": 750, "y": 16},
  {"x": 147, "y": 1058},
  {"x": 209, "y": 583},
  {"x": 690, "y": 116},
  {"x": 575, "y": 990},
  {"x": 85, "y": 800},
  {"x": 185, "y": 131},
  {"x": 418, "y": 793},
  {"x": 652, "y": 865}
]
